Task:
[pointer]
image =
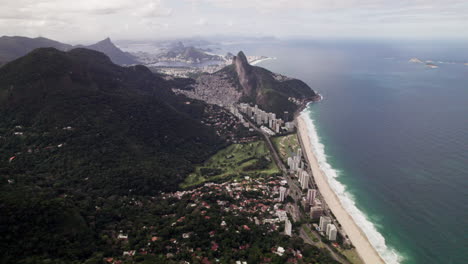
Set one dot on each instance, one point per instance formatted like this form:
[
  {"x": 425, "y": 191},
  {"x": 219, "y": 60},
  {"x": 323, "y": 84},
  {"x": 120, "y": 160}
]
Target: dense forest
[{"x": 67, "y": 117}]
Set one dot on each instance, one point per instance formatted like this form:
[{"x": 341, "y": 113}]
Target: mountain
[
  {"x": 126, "y": 125},
  {"x": 242, "y": 82},
  {"x": 116, "y": 55},
  {"x": 14, "y": 47},
  {"x": 189, "y": 54},
  {"x": 268, "y": 90},
  {"x": 77, "y": 130}
]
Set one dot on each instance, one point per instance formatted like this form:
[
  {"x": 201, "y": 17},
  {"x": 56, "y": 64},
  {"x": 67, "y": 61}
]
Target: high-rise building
[
  {"x": 331, "y": 232},
  {"x": 311, "y": 194},
  {"x": 316, "y": 212},
  {"x": 288, "y": 227},
  {"x": 299, "y": 153},
  {"x": 324, "y": 221},
  {"x": 304, "y": 179},
  {"x": 282, "y": 193},
  {"x": 277, "y": 125}
]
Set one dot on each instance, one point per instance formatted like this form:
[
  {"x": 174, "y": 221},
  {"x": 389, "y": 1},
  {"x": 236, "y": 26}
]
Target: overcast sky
[{"x": 92, "y": 20}]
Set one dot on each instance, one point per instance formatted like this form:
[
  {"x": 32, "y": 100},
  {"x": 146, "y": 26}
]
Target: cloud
[
  {"x": 152, "y": 9},
  {"x": 322, "y": 4},
  {"x": 93, "y": 19},
  {"x": 201, "y": 21},
  {"x": 31, "y": 9}
]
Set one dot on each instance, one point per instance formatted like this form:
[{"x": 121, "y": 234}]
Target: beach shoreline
[
  {"x": 363, "y": 246},
  {"x": 255, "y": 62}
]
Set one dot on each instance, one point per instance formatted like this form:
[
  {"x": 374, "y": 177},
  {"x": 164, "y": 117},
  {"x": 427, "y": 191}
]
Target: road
[
  {"x": 270, "y": 145},
  {"x": 295, "y": 190}
]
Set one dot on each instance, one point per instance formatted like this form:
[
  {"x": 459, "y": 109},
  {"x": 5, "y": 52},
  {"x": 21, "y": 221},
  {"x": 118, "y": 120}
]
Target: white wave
[
  {"x": 256, "y": 62},
  {"x": 389, "y": 255}
]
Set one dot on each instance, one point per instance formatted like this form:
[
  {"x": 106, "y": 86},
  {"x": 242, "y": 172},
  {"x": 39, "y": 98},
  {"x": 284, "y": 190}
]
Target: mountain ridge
[
  {"x": 129, "y": 110},
  {"x": 13, "y": 47},
  {"x": 117, "y": 56}
]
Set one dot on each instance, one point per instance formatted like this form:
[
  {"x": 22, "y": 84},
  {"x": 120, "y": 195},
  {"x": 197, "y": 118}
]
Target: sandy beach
[{"x": 355, "y": 234}]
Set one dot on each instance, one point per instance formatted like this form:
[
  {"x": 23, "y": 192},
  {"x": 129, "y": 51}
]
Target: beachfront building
[
  {"x": 262, "y": 118},
  {"x": 288, "y": 228},
  {"x": 311, "y": 194},
  {"x": 331, "y": 232},
  {"x": 267, "y": 130},
  {"x": 324, "y": 221},
  {"x": 290, "y": 126},
  {"x": 282, "y": 193},
  {"x": 235, "y": 111},
  {"x": 304, "y": 178},
  {"x": 295, "y": 161},
  {"x": 316, "y": 212}
]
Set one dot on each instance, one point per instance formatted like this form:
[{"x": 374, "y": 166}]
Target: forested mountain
[
  {"x": 127, "y": 129},
  {"x": 15, "y": 46},
  {"x": 73, "y": 124}
]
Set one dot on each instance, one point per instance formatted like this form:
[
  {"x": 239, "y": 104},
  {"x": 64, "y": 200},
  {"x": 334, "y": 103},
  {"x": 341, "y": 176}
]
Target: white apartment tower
[
  {"x": 282, "y": 193},
  {"x": 304, "y": 179},
  {"x": 311, "y": 194},
  {"x": 288, "y": 227},
  {"x": 324, "y": 221},
  {"x": 331, "y": 232}
]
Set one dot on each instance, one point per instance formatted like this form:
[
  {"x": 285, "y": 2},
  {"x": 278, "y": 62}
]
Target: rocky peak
[
  {"x": 245, "y": 73},
  {"x": 241, "y": 60},
  {"x": 105, "y": 42}
]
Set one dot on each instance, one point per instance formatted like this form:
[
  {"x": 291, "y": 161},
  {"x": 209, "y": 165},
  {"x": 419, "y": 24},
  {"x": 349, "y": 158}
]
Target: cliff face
[
  {"x": 245, "y": 74},
  {"x": 269, "y": 90}
]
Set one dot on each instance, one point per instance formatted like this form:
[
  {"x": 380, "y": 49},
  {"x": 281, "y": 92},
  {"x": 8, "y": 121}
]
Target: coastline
[
  {"x": 363, "y": 246},
  {"x": 255, "y": 62}
]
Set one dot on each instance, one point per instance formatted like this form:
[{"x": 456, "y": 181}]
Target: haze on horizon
[{"x": 89, "y": 20}]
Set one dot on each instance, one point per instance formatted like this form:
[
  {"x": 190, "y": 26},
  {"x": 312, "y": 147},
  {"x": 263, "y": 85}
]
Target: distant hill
[
  {"x": 268, "y": 90},
  {"x": 115, "y": 54},
  {"x": 14, "y": 47},
  {"x": 189, "y": 54},
  {"x": 128, "y": 130}
]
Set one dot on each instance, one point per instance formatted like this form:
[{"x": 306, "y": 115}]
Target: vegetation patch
[
  {"x": 286, "y": 145},
  {"x": 237, "y": 160}
]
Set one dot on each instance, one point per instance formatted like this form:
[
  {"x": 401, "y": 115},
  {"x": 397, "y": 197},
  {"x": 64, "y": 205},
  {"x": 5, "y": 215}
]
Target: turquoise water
[{"x": 397, "y": 135}]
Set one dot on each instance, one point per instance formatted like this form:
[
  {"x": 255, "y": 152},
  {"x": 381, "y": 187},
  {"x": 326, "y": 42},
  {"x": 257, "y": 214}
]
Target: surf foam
[{"x": 389, "y": 255}]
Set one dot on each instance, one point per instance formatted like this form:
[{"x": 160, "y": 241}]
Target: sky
[{"x": 91, "y": 20}]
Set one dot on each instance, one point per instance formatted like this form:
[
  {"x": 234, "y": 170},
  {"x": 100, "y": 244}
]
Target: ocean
[{"x": 394, "y": 136}]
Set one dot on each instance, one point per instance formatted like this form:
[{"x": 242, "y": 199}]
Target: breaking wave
[{"x": 389, "y": 255}]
